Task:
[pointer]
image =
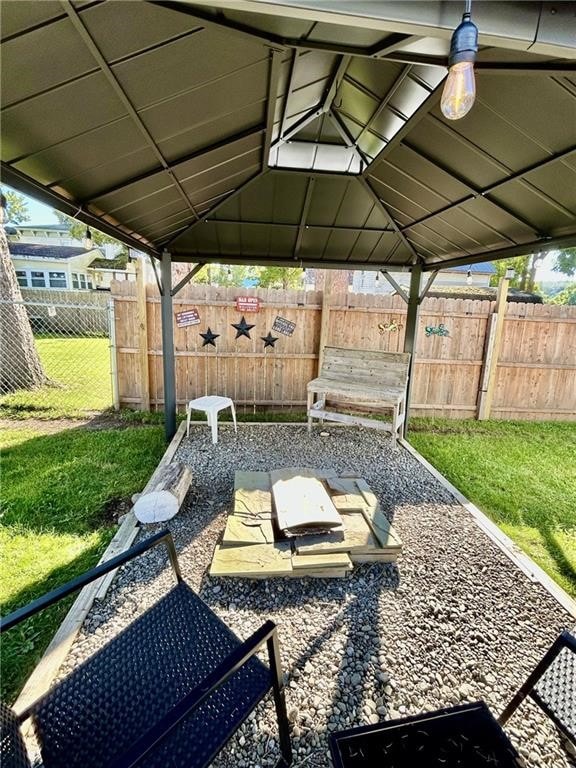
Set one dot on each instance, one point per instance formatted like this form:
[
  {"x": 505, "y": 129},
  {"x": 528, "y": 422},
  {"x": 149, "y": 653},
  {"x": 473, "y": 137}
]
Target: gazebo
[{"x": 294, "y": 133}]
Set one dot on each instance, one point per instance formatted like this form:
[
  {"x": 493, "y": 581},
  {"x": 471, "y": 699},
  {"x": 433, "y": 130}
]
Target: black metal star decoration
[
  {"x": 242, "y": 328},
  {"x": 209, "y": 338},
  {"x": 269, "y": 340}
]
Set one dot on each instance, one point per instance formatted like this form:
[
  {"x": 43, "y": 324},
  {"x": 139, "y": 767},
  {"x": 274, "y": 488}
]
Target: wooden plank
[
  {"x": 357, "y": 536},
  {"x": 240, "y": 532},
  {"x": 252, "y": 494},
  {"x": 301, "y": 501},
  {"x": 44, "y": 673},
  {"x": 374, "y": 557},
  {"x": 500, "y": 539},
  {"x": 377, "y": 520},
  {"x": 255, "y": 561},
  {"x": 321, "y": 560},
  {"x": 346, "y": 418},
  {"x": 142, "y": 320}
]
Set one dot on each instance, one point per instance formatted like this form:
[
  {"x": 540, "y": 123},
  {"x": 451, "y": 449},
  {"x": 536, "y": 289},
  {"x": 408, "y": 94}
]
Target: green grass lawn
[
  {"x": 79, "y": 373},
  {"x": 521, "y": 474},
  {"x": 56, "y": 496}
]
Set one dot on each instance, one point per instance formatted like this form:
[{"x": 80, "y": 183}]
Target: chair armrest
[
  {"x": 57, "y": 594},
  {"x": 231, "y": 664},
  {"x": 564, "y": 640}
]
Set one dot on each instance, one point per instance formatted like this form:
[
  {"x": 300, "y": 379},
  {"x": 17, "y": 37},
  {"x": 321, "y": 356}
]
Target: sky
[{"x": 42, "y": 214}]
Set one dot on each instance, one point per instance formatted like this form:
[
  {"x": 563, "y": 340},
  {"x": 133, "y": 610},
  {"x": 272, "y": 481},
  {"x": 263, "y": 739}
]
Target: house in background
[
  {"x": 466, "y": 276},
  {"x": 103, "y": 271},
  {"x": 53, "y": 234},
  {"x": 61, "y": 267}
]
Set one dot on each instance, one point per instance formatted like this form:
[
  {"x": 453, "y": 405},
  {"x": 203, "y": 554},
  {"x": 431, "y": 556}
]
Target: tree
[
  {"x": 77, "y": 230},
  {"x": 21, "y": 366},
  {"x": 280, "y": 277},
  {"x": 525, "y": 268},
  {"x": 567, "y": 296},
  {"x": 565, "y": 261},
  {"x": 16, "y": 208}
]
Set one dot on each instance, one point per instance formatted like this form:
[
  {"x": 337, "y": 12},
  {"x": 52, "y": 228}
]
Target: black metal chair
[
  {"x": 552, "y": 685},
  {"x": 167, "y": 692}
]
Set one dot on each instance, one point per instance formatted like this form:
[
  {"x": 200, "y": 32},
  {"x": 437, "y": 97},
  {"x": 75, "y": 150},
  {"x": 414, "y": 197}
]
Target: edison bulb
[{"x": 459, "y": 90}]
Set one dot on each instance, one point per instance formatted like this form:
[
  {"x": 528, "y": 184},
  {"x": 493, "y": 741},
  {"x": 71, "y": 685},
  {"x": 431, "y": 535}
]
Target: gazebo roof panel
[{"x": 27, "y": 13}]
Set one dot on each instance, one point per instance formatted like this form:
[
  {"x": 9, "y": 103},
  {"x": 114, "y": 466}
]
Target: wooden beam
[
  {"x": 142, "y": 321},
  {"x": 493, "y": 345},
  {"x": 45, "y": 672}
]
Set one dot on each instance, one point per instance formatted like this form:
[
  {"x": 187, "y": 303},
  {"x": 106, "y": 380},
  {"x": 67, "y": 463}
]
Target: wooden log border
[
  {"x": 502, "y": 541},
  {"x": 45, "y": 672}
]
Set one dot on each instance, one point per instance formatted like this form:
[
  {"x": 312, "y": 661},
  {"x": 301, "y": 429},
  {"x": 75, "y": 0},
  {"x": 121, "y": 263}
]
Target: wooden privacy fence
[{"x": 535, "y": 358}]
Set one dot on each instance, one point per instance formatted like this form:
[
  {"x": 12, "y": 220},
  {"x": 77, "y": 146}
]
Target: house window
[
  {"x": 22, "y": 278},
  {"x": 57, "y": 279},
  {"x": 82, "y": 281},
  {"x": 38, "y": 279},
  {"x": 75, "y": 283}
]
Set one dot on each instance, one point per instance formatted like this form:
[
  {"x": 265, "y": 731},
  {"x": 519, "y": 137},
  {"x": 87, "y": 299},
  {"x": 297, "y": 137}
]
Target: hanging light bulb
[
  {"x": 460, "y": 88},
  {"x": 88, "y": 239}
]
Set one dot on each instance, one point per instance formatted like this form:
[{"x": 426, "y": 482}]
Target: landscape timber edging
[
  {"x": 48, "y": 666},
  {"x": 525, "y": 563}
]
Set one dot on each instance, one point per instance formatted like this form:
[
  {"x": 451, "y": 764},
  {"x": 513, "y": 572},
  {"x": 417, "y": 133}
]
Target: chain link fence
[{"x": 64, "y": 368}]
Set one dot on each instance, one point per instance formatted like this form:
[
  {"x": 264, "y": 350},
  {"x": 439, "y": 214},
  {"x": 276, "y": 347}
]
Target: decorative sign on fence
[
  {"x": 187, "y": 317},
  {"x": 389, "y": 327},
  {"x": 247, "y": 304},
  {"x": 437, "y": 330},
  {"x": 281, "y": 325}
]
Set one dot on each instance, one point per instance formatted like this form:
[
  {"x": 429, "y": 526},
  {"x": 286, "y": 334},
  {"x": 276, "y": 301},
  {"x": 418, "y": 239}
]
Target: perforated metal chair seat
[
  {"x": 93, "y": 716},
  {"x": 555, "y": 692}
]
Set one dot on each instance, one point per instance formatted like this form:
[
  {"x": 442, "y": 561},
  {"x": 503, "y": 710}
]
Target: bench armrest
[
  {"x": 21, "y": 614},
  {"x": 231, "y": 664}
]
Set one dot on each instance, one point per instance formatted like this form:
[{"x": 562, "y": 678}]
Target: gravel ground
[{"x": 453, "y": 621}]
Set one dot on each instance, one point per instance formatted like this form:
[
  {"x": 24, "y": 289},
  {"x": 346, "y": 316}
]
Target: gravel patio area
[{"x": 453, "y": 621}]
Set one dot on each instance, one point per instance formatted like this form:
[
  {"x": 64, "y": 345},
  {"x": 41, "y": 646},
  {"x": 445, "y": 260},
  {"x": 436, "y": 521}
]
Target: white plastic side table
[{"x": 210, "y": 404}]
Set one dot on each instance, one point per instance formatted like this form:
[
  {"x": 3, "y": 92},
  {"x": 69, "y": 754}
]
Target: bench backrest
[{"x": 364, "y": 366}]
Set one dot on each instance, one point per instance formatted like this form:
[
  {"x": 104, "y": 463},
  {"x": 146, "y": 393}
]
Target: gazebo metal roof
[{"x": 294, "y": 132}]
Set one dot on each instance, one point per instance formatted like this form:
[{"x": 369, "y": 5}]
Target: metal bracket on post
[
  {"x": 428, "y": 285},
  {"x": 187, "y": 278},
  {"x": 397, "y": 287},
  {"x": 168, "y": 349},
  {"x": 158, "y": 281}
]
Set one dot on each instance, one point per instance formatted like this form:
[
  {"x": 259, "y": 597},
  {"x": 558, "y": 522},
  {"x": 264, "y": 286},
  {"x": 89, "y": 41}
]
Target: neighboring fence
[
  {"x": 72, "y": 337},
  {"x": 535, "y": 377}
]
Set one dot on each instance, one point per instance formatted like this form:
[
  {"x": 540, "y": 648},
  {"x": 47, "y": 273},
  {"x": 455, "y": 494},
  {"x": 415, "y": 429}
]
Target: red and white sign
[{"x": 247, "y": 304}]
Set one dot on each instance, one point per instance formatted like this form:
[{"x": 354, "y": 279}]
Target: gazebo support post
[
  {"x": 411, "y": 333},
  {"x": 168, "y": 348}
]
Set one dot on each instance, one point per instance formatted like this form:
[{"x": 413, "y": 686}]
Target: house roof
[
  {"x": 46, "y": 251},
  {"x": 47, "y": 227},
  {"x": 295, "y": 131}
]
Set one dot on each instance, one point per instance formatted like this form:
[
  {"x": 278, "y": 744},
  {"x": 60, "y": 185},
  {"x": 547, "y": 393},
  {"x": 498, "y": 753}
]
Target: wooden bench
[{"x": 370, "y": 379}]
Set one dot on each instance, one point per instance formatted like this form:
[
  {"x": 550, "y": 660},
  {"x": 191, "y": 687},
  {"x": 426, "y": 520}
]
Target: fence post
[
  {"x": 113, "y": 358},
  {"x": 492, "y": 352},
  {"x": 325, "y": 317},
  {"x": 142, "y": 337}
]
